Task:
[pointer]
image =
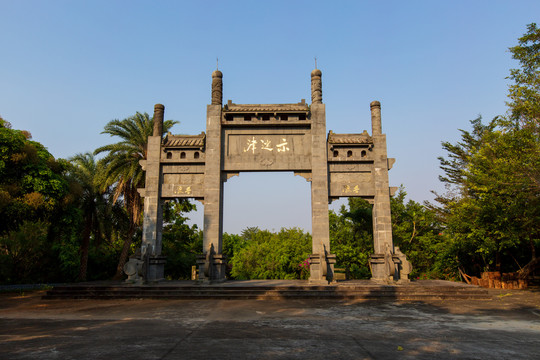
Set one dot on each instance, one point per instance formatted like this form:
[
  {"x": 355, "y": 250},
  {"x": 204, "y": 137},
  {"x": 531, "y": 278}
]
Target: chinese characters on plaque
[
  {"x": 182, "y": 190},
  {"x": 262, "y": 145},
  {"x": 348, "y": 189}
]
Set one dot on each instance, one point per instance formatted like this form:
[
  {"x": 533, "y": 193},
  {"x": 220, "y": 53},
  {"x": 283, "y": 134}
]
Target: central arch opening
[
  {"x": 267, "y": 225},
  {"x": 267, "y": 200}
]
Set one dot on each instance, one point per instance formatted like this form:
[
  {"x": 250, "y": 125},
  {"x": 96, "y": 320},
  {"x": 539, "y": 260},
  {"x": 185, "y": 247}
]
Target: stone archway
[{"x": 267, "y": 137}]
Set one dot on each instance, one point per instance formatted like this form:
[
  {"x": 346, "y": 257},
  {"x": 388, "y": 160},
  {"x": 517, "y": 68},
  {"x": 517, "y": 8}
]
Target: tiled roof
[
  {"x": 230, "y": 107},
  {"x": 184, "y": 140},
  {"x": 345, "y": 139}
]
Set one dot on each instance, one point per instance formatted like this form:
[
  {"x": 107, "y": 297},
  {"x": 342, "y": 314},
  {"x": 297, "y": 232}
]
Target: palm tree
[
  {"x": 84, "y": 173},
  {"x": 123, "y": 172}
]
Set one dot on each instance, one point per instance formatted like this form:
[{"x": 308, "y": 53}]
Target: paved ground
[{"x": 507, "y": 327}]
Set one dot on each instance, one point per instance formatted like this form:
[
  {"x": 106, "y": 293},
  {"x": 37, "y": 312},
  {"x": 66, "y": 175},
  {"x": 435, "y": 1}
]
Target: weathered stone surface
[
  {"x": 153, "y": 209},
  {"x": 217, "y": 87},
  {"x": 269, "y": 137},
  {"x": 316, "y": 87},
  {"x": 213, "y": 197}
]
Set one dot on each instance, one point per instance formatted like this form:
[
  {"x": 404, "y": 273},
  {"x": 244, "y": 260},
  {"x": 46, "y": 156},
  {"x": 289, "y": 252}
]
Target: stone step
[
  {"x": 305, "y": 295},
  {"x": 248, "y": 297},
  {"x": 403, "y": 293}
]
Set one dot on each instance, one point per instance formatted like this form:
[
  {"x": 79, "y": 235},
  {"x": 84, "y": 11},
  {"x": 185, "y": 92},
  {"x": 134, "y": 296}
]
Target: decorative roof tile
[
  {"x": 184, "y": 140},
  {"x": 349, "y": 139},
  {"x": 243, "y": 108}
]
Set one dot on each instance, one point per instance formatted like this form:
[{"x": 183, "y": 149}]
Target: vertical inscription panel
[
  {"x": 267, "y": 150},
  {"x": 352, "y": 185},
  {"x": 183, "y": 185}
]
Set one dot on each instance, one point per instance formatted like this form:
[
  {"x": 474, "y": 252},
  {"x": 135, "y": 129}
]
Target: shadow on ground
[{"x": 505, "y": 327}]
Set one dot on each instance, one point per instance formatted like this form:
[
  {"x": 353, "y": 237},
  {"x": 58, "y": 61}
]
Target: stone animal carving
[
  {"x": 134, "y": 270},
  {"x": 405, "y": 267}
]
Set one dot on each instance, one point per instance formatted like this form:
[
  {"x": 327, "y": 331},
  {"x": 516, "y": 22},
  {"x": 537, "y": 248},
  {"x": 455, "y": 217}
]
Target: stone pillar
[
  {"x": 322, "y": 268},
  {"x": 158, "y": 120},
  {"x": 212, "y": 263},
  {"x": 217, "y": 88},
  {"x": 376, "y": 125},
  {"x": 382, "y": 264},
  {"x": 316, "y": 87},
  {"x": 153, "y": 209}
]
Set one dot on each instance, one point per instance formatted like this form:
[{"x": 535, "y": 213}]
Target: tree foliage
[
  {"x": 417, "y": 232},
  {"x": 31, "y": 180},
  {"x": 261, "y": 254},
  {"x": 351, "y": 238},
  {"x": 524, "y": 93},
  {"x": 181, "y": 242},
  {"x": 492, "y": 206},
  {"x": 91, "y": 201},
  {"x": 34, "y": 194},
  {"x": 491, "y": 210},
  {"x": 122, "y": 171}
]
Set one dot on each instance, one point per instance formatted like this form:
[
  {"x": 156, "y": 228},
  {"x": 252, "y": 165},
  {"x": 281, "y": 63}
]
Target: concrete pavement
[{"x": 507, "y": 327}]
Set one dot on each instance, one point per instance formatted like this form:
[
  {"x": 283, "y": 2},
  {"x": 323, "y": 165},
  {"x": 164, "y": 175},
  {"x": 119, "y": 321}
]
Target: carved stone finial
[
  {"x": 375, "y": 103},
  {"x": 316, "y": 87},
  {"x": 376, "y": 126},
  {"x": 158, "y": 119},
  {"x": 217, "y": 88}
]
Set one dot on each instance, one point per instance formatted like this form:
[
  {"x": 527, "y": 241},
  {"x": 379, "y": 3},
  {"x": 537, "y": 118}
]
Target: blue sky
[{"x": 69, "y": 67}]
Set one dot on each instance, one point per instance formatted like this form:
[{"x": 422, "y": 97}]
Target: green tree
[
  {"x": 232, "y": 244},
  {"x": 31, "y": 180},
  {"x": 123, "y": 172},
  {"x": 524, "y": 93},
  {"x": 23, "y": 249},
  {"x": 351, "y": 238},
  {"x": 181, "y": 242},
  {"x": 418, "y": 233},
  {"x": 92, "y": 201},
  {"x": 268, "y": 255},
  {"x": 492, "y": 207},
  {"x": 503, "y": 178},
  {"x": 33, "y": 193},
  {"x": 491, "y": 210}
]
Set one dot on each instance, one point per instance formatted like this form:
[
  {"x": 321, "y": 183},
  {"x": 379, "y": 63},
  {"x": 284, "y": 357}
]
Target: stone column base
[
  {"x": 155, "y": 271},
  {"x": 321, "y": 268},
  {"x": 213, "y": 271},
  {"x": 386, "y": 268}
]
